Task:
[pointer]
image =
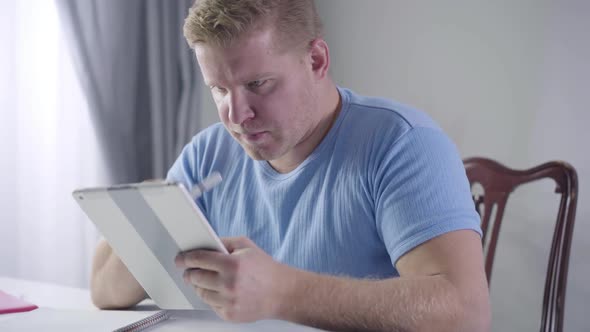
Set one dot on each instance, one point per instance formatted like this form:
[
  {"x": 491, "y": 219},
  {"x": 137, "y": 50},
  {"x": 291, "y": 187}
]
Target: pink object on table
[{"x": 11, "y": 304}]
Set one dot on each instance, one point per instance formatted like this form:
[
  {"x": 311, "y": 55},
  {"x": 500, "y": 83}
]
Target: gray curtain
[{"x": 140, "y": 78}]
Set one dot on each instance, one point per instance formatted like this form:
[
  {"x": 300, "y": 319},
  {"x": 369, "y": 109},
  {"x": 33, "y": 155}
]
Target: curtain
[
  {"x": 48, "y": 147},
  {"x": 140, "y": 79},
  {"x": 91, "y": 93}
]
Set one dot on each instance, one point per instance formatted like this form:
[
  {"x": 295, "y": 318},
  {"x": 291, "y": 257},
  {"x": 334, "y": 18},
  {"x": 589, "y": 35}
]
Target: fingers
[
  {"x": 210, "y": 280},
  {"x": 235, "y": 243},
  {"x": 202, "y": 259},
  {"x": 211, "y": 297}
]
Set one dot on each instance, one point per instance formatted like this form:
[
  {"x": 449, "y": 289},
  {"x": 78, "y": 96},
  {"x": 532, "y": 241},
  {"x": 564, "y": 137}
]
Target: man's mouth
[{"x": 254, "y": 137}]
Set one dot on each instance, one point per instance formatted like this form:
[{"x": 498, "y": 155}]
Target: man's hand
[{"x": 244, "y": 286}]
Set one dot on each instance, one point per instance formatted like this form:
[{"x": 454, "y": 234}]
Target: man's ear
[{"x": 320, "y": 58}]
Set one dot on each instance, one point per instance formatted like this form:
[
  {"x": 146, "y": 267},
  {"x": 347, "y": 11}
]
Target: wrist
[{"x": 290, "y": 288}]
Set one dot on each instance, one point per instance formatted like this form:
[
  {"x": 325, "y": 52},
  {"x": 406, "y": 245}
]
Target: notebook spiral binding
[{"x": 145, "y": 323}]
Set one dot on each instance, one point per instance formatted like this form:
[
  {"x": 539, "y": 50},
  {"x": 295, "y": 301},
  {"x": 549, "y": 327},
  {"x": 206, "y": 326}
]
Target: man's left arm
[{"x": 442, "y": 287}]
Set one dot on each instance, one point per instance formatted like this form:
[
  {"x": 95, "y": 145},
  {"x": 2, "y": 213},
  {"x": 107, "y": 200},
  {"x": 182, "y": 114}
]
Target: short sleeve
[{"x": 421, "y": 191}]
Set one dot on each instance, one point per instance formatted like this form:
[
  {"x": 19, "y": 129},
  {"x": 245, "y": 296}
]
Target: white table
[
  {"x": 48, "y": 295},
  {"x": 64, "y": 308}
]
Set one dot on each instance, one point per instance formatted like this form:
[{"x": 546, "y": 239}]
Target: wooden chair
[{"x": 498, "y": 181}]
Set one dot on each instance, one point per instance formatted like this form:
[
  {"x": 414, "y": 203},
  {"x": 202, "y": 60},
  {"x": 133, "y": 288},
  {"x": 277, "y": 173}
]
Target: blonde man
[{"x": 339, "y": 211}]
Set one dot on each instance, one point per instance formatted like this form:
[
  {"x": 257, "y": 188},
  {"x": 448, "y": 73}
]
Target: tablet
[{"x": 147, "y": 224}]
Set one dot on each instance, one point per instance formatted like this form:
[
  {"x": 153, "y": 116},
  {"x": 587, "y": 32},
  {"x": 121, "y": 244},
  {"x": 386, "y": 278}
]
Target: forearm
[
  {"x": 112, "y": 286},
  {"x": 401, "y": 304}
]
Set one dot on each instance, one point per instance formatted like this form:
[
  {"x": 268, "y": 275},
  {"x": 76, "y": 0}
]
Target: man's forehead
[
  {"x": 249, "y": 56},
  {"x": 249, "y": 43}
]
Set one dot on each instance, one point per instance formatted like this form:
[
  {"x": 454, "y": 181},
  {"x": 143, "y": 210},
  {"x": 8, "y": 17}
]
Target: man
[{"x": 339, "y": 211}]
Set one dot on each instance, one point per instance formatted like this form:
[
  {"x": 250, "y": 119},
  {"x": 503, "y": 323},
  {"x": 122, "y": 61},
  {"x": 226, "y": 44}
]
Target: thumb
[{"x": 236, "y": 243}]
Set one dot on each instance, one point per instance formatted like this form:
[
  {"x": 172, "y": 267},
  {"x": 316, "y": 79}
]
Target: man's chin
[{"x": 259, "y": 153}]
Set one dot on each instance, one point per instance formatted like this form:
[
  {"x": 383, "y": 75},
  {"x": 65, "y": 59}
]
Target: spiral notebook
[
  {"x": 146, "y": 322},
  {"x": 49, "y": 320}
]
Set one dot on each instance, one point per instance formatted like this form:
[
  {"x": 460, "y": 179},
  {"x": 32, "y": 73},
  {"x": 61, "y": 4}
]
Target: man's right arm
[{"x": 112, "y": 286}]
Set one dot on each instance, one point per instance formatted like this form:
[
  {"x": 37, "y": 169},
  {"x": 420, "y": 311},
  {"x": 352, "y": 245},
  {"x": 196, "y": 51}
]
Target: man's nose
[{"x": 239, "y": 108}]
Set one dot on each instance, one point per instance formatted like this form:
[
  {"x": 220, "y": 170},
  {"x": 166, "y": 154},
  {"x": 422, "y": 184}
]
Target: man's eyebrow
[
  {"x": 210, "y": 84},
  {"x": 250, "y": 78},
  {"x": 259, "y": 76}
]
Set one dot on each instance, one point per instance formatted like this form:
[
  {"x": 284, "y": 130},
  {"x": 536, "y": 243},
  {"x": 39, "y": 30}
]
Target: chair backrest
[{"x": 498, "y": 181}]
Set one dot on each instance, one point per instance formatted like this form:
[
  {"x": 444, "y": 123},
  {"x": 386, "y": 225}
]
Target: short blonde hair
[{"x": 220, "y": 22}]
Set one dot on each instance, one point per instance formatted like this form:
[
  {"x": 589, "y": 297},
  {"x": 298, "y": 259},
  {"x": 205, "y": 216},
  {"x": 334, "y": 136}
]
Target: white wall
[{"x": 505, "y": 79}]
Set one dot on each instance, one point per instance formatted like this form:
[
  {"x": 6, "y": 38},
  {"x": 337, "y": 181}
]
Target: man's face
[{"x": 264, "y": 97}]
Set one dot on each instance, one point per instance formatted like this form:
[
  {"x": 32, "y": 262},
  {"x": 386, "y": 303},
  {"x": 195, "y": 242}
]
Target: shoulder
[
  {"x": 377, "y": 110},
  {"x": 382, "y": 125},
  {"x": 396, "y": 143}
]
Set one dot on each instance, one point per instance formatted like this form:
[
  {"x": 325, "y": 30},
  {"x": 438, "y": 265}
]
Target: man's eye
[
  {"x": 217, "y": 89},
  {"x": 256, "y": 84}
]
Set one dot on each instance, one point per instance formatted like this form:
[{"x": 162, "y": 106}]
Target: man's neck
[{"x": 332, "y": 103}]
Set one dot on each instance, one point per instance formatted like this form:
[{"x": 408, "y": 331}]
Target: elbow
[
  {"x": 111, "y": 284},
  {"x": 475, "y": 318},
  {"x": 102, "y": 301},
  {"x": 485, "y": 317},
  {"x": 103, "y": 296},
  {"x": 461, "y": 320},
  {"x": 478, "y": 310},
  {"x": 473, "y": 309},
  {"x": 474, "y": 314},
  {"x": 99, "y": 295}
]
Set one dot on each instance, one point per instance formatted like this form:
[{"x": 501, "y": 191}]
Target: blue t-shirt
[{"x": 382, "y": 181}]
